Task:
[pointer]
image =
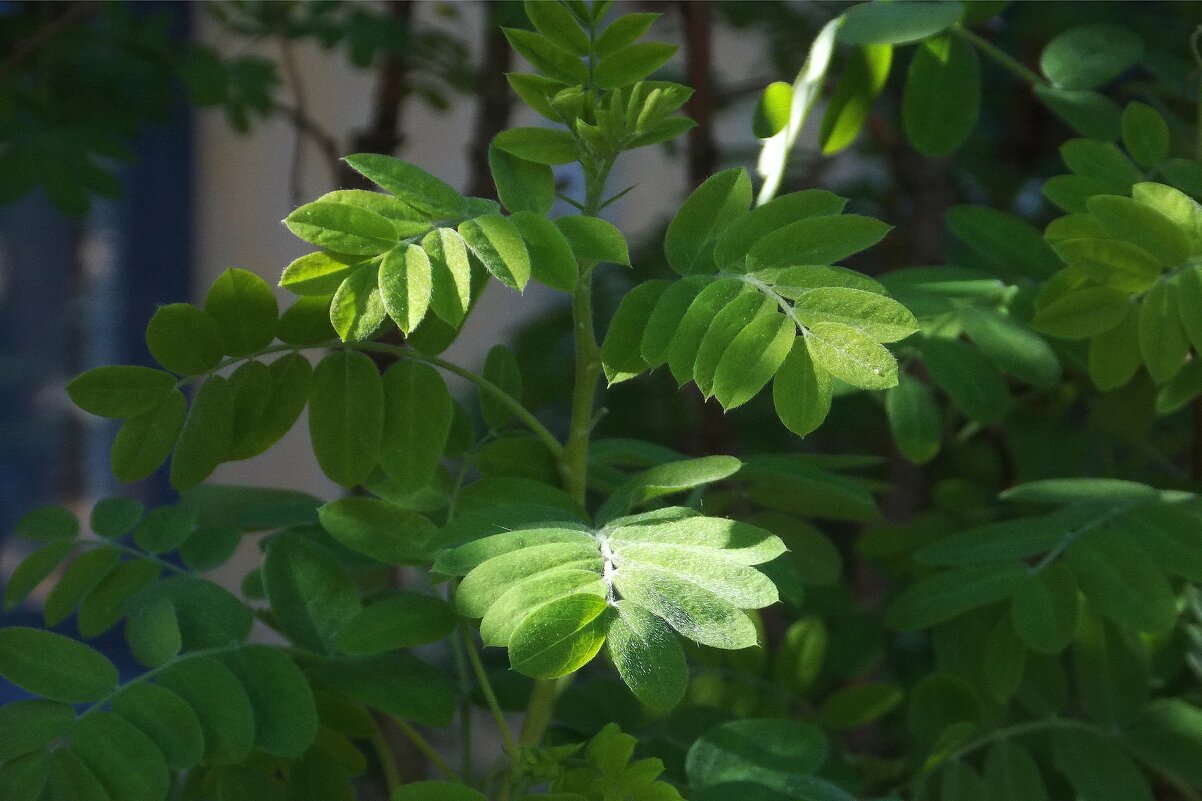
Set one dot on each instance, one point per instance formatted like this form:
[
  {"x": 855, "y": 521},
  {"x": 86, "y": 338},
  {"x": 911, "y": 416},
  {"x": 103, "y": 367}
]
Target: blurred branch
[
  {"x": 26, "y": 49},
  {"x": 292, "y": 75},
  {"x": 383, "y": 134},
  {"x": 323, "y": 139},
  {"x": 494, "y": 104}
]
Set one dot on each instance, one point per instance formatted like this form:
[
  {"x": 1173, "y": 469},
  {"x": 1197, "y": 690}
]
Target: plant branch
[
  {"x": 490, "y": 697},
  {"x": 427, "y": 750},
  {"x": 1000, "y": 56},
  {"x": 28, "y": 48},
  {"x": 383, "y": 749}
]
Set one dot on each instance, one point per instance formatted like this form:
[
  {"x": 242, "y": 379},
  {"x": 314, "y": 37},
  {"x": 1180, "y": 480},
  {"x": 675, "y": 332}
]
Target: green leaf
[
  {"x": 1122, "y": 582},
  {"x": 1145, "y": 134},
  {"x": 285, "y": 713},
  {"x": 1011, "y": 773},
  {"x": 1098, "y": 491},
  {"x": 306, "y": 322},
  {"x": 208, "y": 615},
  {"x": 862, "y": 80},
  {"x": 70, "y": 778},
  {"x": 1089, "y": 113},
  {"x": 594, "y": 239},
  {"x": 406, "y": 280},
  {"x": 501, "y": 369},
  {"x": 115, "y": 517},
  {"x": 53, "y": 666},
  {"x": 421, "y": 190},
  {"x": 342, "y": 228},
  {"x": 417, "y": 421},
  {"x": 770, "y": 754},
  {"x": 164, "y": 529},
  {"x": 406, "y": 219},
  {"x": 311, "y": 595},
  {"x": 545, "y": 146},
  {"x": 33, "y": 570},
  {"x": 77, "y": 581},
  {"x": 184, "y": 339},
  {"x": 104, "y": 606},
  {"x": 206, "y": 434},
  {"x": 874, "y": 315},
  {"x": 621, "y": 351},
  {"x": 961, "y": 782},
  {"x": 546, "y": 57},
  {"x": 526, "y": 595},
  {"x": 942, "y": 98},
  {"x": 435, "y": 790},
  {"x": 1111, "y": 671},
  {"x": 153, "y": 633},
  {"x": 722, "y": 330},
  {"x": 346, "y": 416},
  {"x": 886, "y": 23},
  {"x": 27, "y": 726},
  {"x": 801, "y": 391},
  {"x": 1044, "y": 609},
  {"x": 753, "y": 357},
  {"x": 1111, "y": 262},
  {"x": 772, "y": 110},
  {"x": 121, "y": 391},
  {"x": 1128, "y": 219},
  {"x": 319, "y": 273},
  {"x": 690, "y": 238},
  {"x": 1082, "y": 313},
  {"x": 737, "y": 238},
  {"x": 1008, "y": 242},
  {"x": 694, "y": 611},
  {"x": 400, "y": 620},
  {"x": 849, "y": 355},
  {"x": 1090, "y": 55},
  {"x": 948, "y": 594},
  {"x": 357, "y": 310},
  {"x": 559, "y": 637},
  {"x": 394, "y": 683},
  {"x": 522, "y": 185},
  {"x": 1187, "y": 288},
  {"x": 1003, "y": 660},
  {"x": 245, "y": 308},
  {"x": 47, "y": 524},
  {"x": 623, "y": 31},
  {"x": 1097, "y": 767},
  {"x": 1012, "y": 347},
  {"x": 631, "y": 64},
  {"x": 1167, "y": 733},
  {"x": 1101, "y": 162},
  {"x": 816, "y": 240},
  {"x": 668, "y": 315},
  {"x": 669, "y": 479},
  {"x": 559, "y": 25},
  {"x": 378, "y": 529},
  {"x": 853, "y": 707},
  {"x": 497, "y": 244},
  {"x": 166, "y": 719},
  {"x": 914, "y": 420},
  {"x": 125, "y": 761},
  {"x": 690, "y": 333},
  {"x": 451, "y": 276},
  {"x": 220, "y": 704},
  {"x": 552, "y": 261},
  {"x": 290, "y": 377},
  {"x": 647, "y": 657},
  {"x": 1162, "y": 341}
]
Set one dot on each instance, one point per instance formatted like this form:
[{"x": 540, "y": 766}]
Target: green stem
[
  {"x": 573, "y": 464},
  {"x": 539, "y": 711},
  {"x": 1195, "y": 45},
  {"x": 137, "y": 553},
  {"x": 486, "y": 688},
  {"x": 507, "y": 400},
  {"x": 1000, "y": 56},
  {"x": 427, "y": 750},
  {"x": 380, "y": 744}
]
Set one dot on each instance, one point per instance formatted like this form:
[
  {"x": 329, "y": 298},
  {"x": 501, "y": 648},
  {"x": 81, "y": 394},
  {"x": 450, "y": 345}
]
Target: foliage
[{"x": 1024, "y": 632}]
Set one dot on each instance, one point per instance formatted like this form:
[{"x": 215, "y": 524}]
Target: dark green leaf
[
  {"x": 942, "y": 98},
  {"x": 311, "y": 595},
  {"x": 53, "y": 666},
  {"x": 184, "y": 339},
  {"x": 245, "y": 308},
  {"x": 205, "y": 437},
  {"x": 346, "y": 416},
  {"x": 121, "y": 391}
]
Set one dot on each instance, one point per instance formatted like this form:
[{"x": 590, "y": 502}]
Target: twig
[{"x": 27, "y": 48}]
